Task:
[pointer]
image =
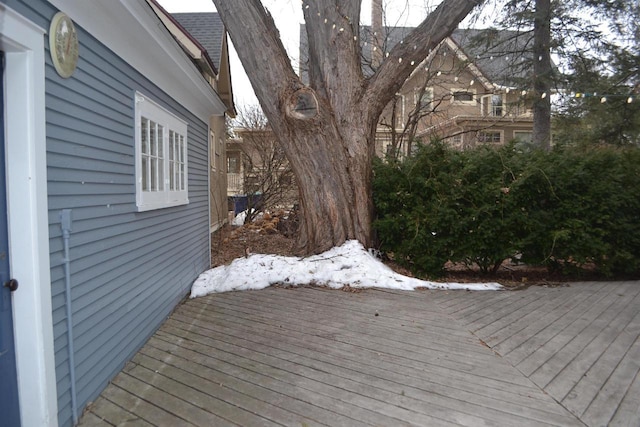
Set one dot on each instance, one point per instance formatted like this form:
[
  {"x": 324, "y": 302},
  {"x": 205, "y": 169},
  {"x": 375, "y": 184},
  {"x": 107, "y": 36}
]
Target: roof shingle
[{"x": 207, "y": 28}]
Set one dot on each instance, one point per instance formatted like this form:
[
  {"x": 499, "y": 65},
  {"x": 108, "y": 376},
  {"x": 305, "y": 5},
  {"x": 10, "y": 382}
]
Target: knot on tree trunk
[{"x": 302, "y": 104}]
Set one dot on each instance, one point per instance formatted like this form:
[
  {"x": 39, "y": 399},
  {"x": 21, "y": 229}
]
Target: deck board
[
  {"x": 319, "y": 357},
  {"x": 578, "y": 343},
  {"x": 411, "y": 383}
]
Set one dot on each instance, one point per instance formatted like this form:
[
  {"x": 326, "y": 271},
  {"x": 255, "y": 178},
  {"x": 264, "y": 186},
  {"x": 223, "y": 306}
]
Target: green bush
[{"x": 566, "y": 209}]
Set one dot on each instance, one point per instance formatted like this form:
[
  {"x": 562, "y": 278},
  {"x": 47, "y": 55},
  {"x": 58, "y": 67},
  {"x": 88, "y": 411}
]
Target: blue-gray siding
[{"x": 129, "y": 269}]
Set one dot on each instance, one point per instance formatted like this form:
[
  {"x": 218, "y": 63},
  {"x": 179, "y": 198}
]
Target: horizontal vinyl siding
[{"x": 129, "y": 269}]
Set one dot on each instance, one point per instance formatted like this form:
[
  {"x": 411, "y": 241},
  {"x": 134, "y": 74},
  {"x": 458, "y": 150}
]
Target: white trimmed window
[
  {"x": 490, "y": 137},
  {"x": 523, "y": 136},
  {"x": 456, "y": 141},
  {"x": 213, "y": 150},
  {"x": 161, "y": 157},
  {"x": 492, "y": 105},
  {"x": 464, "y": 96},
  {"x": 423, "y": 99}
]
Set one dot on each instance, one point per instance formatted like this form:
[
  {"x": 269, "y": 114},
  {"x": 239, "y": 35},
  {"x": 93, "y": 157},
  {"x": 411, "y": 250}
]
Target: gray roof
[
  {"x": 207, "y": 28},
  {"x": 504, "y": 57}
]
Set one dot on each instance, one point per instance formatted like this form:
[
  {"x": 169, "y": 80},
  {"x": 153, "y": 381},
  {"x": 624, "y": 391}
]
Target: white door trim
[{"x": 28, "y": 217}]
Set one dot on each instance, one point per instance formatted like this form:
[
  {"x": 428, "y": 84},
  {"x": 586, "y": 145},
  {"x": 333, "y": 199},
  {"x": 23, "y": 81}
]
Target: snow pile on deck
[{"x": 348, "y": 265}]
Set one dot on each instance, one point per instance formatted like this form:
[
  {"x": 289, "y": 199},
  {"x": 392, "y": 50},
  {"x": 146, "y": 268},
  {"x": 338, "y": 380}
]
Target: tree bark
[
  {"x": 328, "y": 128},
  {"x": 542, "y": 74}
]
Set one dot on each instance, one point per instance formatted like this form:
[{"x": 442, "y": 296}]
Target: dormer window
[
  {"x": 463, "y": 96},
  {"x": 492, "y": 105}
]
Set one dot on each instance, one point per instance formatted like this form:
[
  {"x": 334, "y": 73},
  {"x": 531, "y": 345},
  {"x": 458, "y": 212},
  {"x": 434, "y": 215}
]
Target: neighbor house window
[
  {"x": 492, "y": 105},
  {"x": 423, "y": 100},
  {"x": 161, "y": 157},
  {"x": 215, "y": 150},
  {"x": 523, "y": 136},
  {"x": 400, "y": 109},
  {"x": 463, "y": 95},
  {"x": 456, "y": 140},
  {"x": 490, "y": 137},
  {"x": 233, "y": 163}
]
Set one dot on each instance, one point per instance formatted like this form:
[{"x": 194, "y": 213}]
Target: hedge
[{"x": 565, "y": 209}]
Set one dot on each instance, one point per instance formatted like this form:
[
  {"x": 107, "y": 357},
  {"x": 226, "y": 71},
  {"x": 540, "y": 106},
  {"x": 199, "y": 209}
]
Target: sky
[
  {"x": 347, "y": 265},
  {"x": 288, "y": 17}
]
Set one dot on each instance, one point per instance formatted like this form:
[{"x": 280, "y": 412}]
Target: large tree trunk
[
  {"x": 542, "y": 74},
  {"x": 328, "y": 128}
]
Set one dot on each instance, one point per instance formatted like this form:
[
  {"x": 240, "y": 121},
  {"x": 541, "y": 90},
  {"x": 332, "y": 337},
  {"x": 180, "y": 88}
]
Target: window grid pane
[
  {"x": 496, "y": 105},
  {"x": 181, "y": 162},
  {"x": 144, "y": 158},
  {"x": 489, "y": 137},
  {"x": 152, "y": 158}
]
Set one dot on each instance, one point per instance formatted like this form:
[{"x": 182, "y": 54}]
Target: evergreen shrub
[{"x": 567, "y": 209}]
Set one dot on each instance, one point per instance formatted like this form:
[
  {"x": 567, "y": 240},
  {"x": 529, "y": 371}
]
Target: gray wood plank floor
[
  {"x": 579, "y": 343},
  {"x": 310, "y": 356}
]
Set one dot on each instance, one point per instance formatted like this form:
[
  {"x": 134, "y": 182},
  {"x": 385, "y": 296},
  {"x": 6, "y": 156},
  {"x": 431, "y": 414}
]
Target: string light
[{"x": 604, "y": 98}]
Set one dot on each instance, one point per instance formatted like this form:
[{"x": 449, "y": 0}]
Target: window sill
[{"x": 155, "y": 206}]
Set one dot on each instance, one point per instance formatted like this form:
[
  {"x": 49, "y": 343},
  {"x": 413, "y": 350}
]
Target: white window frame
[
  {"x": 489, "y": 109},
  {"x": 523, "y": 135},
  {"x": 400, "y": 116},
  {"x": 427, "y": 98},
  {"x": 212, "y": 150},
  {"x": 490, "y": 131},
  {"x": 172, "y": 161},
  {"x": 456, "y": 140},
  {"x": 218, "y": 154},
  {"x": 473, "y": 93}
]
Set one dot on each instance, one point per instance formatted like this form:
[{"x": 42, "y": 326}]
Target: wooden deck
[{"x": 565, "y": 356}]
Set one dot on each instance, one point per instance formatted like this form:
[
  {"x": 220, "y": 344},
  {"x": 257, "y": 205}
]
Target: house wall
[{"x": 128, "y": 268}]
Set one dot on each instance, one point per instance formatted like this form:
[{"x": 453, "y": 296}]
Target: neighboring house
[
  {"x": 107, "y": 195},
  {"x": 469, "y": 90},
  {"x": 236, "y": 161},
  {"x": 258, "y": 171},
  {"x": 204, "y": 38}
]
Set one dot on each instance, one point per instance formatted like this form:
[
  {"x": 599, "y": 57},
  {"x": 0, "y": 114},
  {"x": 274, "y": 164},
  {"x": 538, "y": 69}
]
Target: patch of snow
[{"x": 347, "y": 265}]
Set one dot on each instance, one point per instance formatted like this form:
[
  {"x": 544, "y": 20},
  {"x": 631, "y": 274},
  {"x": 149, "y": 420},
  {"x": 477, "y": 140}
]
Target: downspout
[{"x": 65, "y": 224}]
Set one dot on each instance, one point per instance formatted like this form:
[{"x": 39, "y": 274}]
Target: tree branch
[{"x": 264, "y": 58}]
